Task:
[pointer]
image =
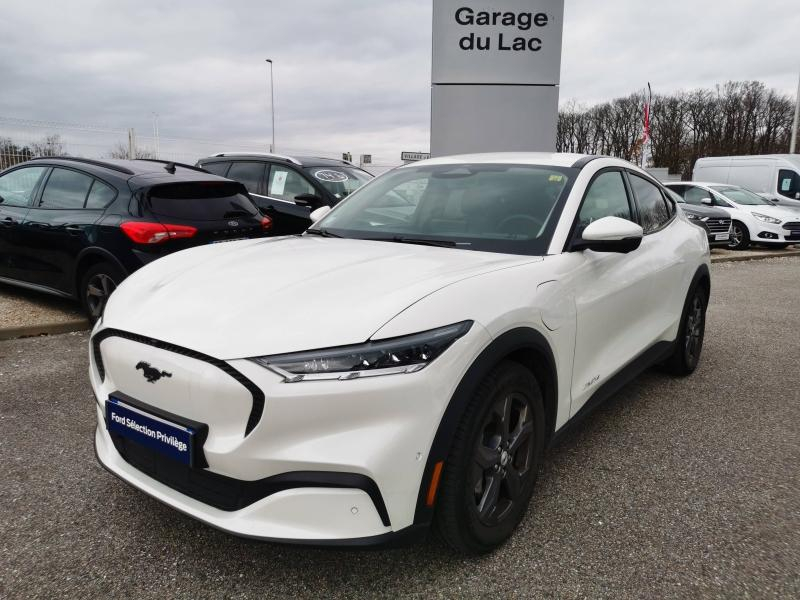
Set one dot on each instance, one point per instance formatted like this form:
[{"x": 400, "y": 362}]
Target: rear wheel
[
  {"x": 488, "y": 479},
  {"x": 689, "y": 343},
  {"x": 97, "y": 285},
  {"x": 740, "y": 237}
]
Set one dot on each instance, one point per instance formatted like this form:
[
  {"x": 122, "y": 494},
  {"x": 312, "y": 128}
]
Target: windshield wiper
[
  {"x": 423, "y": 241},
  {"x": 322, "y": 232}
]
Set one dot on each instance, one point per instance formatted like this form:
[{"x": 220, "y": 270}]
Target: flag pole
[{"x": 646, "y": 137}]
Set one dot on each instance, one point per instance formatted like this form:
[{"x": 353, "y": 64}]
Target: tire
[
  {"x": 689, "y": 343},
  {"x": 486, "y": 486},
  {"x": 97, "y": 284},
  {"x": 740, "y": 236}
]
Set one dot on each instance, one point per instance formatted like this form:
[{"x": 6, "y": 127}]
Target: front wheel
[
  {"x": 488, "y": 479},
  {"x": 740, "y": 237},
  {"x": 97, "y": 285},
  {"x": 689, "y": 343}
]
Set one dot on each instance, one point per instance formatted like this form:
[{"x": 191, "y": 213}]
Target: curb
[
  {"x": 759, "y": 256},
  {"x": 11, "y": 333}
]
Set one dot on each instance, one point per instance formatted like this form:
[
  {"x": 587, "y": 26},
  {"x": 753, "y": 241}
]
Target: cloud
[{"x": 350, "y": 74}]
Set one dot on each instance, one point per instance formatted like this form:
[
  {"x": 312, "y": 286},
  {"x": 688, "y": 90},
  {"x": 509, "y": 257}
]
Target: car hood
[
  {"x": 269, "y": 296},
  {"x": 777, "y": 212},
  {"x": 704, "y": 211}
]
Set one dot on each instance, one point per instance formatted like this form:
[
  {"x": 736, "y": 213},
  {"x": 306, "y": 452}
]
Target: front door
[
  {"x": 612, "y": 294},
  {"x": 17, "y": 190}
]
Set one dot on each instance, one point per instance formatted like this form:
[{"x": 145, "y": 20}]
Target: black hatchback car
[
  {"x": 288, "y": 188},
  {"x": 77, "y": 227}
]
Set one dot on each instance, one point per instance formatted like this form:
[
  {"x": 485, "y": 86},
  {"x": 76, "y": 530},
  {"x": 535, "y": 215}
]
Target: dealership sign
[
  {"x": 495, "y": 72},
  {"x": 414, "y": 156},
  {"x": 503, "y": 42}
]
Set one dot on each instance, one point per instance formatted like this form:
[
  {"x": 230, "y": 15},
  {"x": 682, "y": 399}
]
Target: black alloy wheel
[
  {"x": 689, "y": 344},
  {"x": 693, "y": 331},
  {"x": 503, "y": 457},
  {"x": 488, "y": 477}
]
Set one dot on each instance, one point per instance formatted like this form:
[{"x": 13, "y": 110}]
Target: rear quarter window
[{"x": 201, "y": 201}]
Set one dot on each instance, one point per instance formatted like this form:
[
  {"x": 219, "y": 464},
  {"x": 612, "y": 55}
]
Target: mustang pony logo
[{"x": 150, "y": 373}]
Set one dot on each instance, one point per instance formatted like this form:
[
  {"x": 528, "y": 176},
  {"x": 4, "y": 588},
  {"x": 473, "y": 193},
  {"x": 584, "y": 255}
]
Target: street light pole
[
  {"x": 155, "y": 134},
  {"x": 272, "y": 104},
  {"x": 793, "y": 143}
]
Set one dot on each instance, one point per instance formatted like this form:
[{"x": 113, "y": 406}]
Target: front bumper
[
  {"x": 378, "y": 428},
  {"x": 768, "y": 233}
]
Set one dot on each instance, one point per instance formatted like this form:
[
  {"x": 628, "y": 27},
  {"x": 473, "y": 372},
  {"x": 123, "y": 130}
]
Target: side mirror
[
  {"x": 706, "y": 201},
  {"x": 316, "y": 215},
  {"x": 797, "y": 196},
  {"x": 610, "y": 234},
  {"x": 308, "y": 200}
]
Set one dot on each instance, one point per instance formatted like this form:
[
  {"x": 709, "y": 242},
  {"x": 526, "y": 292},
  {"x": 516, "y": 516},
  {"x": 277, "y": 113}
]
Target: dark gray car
[{"x": 715, "y": 221}]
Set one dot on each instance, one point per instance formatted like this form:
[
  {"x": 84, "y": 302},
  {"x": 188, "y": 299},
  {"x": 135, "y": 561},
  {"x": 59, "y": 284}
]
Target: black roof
[
  {"x": 300, "y": 161},
  {"x": 138, "y": 172}
]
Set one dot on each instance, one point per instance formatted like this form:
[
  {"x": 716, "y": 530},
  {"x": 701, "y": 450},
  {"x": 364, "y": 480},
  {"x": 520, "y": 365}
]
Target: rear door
[
  {"x": 202, "y": 212},
  {"x": 283, "y": 184},
  {"x": 17, "y": 191},
  {"x": 661, "y": 258}
]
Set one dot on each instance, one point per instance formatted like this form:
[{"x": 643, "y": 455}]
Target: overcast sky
[{"x": 349, "y": 74}]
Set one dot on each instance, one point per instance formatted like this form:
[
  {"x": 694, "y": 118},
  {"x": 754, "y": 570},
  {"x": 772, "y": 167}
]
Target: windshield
[
  {"x": 339, "y": 181},
  {"x": 488, "y": 207},
  {"x": 740, "y": 195}
]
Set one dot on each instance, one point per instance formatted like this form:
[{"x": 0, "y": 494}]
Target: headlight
[
  {"x": 767, "y": 219},
  {"x": 691, "y": 216},
  {"x": 405, "y": 354}
]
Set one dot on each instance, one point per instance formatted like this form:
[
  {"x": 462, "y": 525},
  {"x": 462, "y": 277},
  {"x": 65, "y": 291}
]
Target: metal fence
[{"x": 23, "y": 139}]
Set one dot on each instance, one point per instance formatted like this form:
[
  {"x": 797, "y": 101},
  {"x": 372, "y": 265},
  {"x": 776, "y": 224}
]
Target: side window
[
  {"x": 695, "y": 195},
  {"x": 65, "y": 189},
  {"x": 606, "y": 198},
  {"x": 16, "y": 188},
  {"x": 217, "y": 168},
  {"x": 679, "y": 189},
  {"x": 285, "y": 183},
  {"x": 788, "y": 183},
  {"x": 100, "y": 195},
  {"x": 251, "y": 174},
  {"x": 653, "y": 210}
]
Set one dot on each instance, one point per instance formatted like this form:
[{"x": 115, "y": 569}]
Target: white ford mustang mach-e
[{"x": 404, "y": 362}]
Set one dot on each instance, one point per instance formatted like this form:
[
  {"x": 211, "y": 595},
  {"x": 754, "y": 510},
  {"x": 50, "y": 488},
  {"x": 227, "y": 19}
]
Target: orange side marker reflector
[{"x": 437, "y": 473}]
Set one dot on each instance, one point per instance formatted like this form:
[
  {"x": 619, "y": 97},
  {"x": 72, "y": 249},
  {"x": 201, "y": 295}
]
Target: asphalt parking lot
[{"x": 673, "y": 489}]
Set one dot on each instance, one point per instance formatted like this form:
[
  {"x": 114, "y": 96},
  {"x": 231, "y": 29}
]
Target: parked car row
[
  {"x": 77, "y": 227},
  {"x": 752, "y": 218},
  {"x": 288, "y": 188}
]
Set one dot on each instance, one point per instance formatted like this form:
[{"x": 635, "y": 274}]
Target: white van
[{"x": 774, "y": 176}]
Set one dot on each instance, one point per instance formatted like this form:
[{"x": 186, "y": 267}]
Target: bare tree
[
  {"x": 738, "y": 117},
  {"x": 120, "y": 150}
]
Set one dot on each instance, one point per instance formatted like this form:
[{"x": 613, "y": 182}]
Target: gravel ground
[
  {"x": 20, "y": 307},
  {"x": 673, "y": 489}
]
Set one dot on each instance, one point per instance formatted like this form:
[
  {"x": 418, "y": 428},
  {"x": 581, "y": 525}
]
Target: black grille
[
  {"x": 257, "y": 408},
  {"x": 718, "y": 225},
  {"x": 792, "y": 226},
  {"x": 229, "y": 494}
]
